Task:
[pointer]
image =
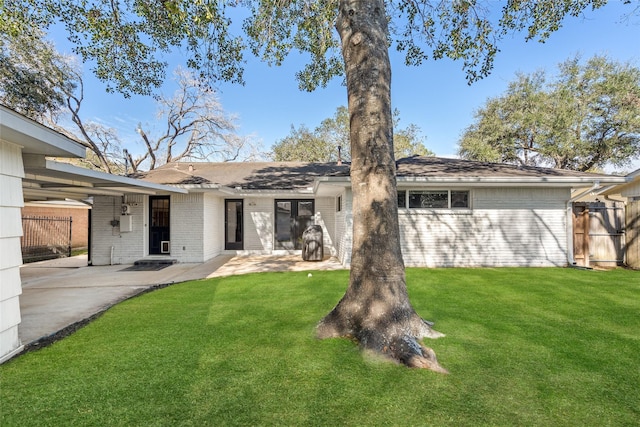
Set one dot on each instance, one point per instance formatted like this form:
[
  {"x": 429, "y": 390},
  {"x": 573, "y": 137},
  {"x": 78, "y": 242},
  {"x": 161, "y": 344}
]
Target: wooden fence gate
[
  {"x": 45, "y": 238},
  {"x": 633, "y": 234},
  {"x": 599, "y": 234}
]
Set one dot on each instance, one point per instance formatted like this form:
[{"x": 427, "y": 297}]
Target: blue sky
[{"x": 435, "y": 96}]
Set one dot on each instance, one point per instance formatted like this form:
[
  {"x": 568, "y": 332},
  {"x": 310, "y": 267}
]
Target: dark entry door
[
  {"x": 233, "y": 225},
  {"x": 292, "y": 218},
  {"x": 159, "y": 230}
]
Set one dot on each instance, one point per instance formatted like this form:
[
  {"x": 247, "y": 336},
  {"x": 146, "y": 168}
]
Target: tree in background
[
  {"x": 342, "y": 38},
  {"x": 584, "y": 119},
  {"x": 39, "y": 82},
  {"x": 303, "y": 145},
  {"x": 196, "y": 128},
  {"x": 46, "y": 86},
  {"x": 332, "y": 137},
  {"x": 34, "y": 78},
  {"x": 409, "y": 142}
]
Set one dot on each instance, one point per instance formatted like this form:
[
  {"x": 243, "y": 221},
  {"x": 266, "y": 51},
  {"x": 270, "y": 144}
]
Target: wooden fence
[
  {"x": 45, "y": 238},
  {"x": 633, "y": 234},
  {"x": 599, "y": 234}
]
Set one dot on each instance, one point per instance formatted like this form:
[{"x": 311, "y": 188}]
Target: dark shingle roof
[
  {"x": 421, "y": 166},
  {"x": 300, "y": 175},
  {"x": 248, "y": 175}
]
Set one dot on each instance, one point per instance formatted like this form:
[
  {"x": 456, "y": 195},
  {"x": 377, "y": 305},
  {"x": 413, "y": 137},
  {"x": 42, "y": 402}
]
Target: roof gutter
[
  {"x": 628, "y": 180},
  {"x": 569, "y": 211}
]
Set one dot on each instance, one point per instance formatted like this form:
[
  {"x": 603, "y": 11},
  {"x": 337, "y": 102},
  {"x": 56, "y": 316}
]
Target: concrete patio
[{"x": 61, "y": 295}]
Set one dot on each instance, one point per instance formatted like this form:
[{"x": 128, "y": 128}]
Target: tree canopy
[
  {"x": 331, "y": 137},
  {"x": 125, "y": 41},
  {"x": 34, "y": 78},
  {"x": 584, "y": 118},
  {"x": 39, "y": 82}
]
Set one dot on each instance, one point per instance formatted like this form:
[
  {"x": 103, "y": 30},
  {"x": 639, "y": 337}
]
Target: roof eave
[
  {"x": 510, "y": 181},
  {"x": 243, "y": 192},
  {"x": 35, "y": 138},
  {"x": 490, "y": 181}
]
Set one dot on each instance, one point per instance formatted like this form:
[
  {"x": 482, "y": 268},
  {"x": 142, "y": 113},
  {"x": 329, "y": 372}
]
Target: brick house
[{"x": 451, "y": 212}]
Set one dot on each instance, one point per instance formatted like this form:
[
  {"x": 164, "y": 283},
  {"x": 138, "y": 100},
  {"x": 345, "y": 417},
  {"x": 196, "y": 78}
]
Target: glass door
[
  {"x": 159, "y": 221},
  {"x": 292, "y": 218},
  {"x": 233, "y": 225}
]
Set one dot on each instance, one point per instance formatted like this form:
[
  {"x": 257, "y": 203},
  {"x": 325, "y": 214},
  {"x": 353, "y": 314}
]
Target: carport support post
[{"x": 70, "y": 236}]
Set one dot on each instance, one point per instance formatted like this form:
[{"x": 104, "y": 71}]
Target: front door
[
  {"x": 233, "y": 225},
  {"x": 159, "y": 231},
  {"x": 292, "y": 218}
]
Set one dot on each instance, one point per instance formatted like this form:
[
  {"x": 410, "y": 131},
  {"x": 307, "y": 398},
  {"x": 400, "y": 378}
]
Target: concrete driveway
[{"x": 59, "y": 296}]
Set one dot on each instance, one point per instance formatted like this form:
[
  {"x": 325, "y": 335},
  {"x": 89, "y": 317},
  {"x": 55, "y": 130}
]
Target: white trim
[
  {"x": 47, "y": 179},
  {"x": 109, "y": 179},
  {"x": 11, "y": 354},
  {"x": 36, "y": 138},
  {"x": 484, "y": 181}
]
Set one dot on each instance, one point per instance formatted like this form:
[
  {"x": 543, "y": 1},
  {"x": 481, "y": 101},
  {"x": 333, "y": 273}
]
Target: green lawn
[{"x": 543, "y": 347}]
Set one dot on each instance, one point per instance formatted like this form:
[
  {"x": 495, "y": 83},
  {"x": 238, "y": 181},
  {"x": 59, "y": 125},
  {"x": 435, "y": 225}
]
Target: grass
[
  {"x": 544, "y": 347},
  {"x": 79, "y": 251}
]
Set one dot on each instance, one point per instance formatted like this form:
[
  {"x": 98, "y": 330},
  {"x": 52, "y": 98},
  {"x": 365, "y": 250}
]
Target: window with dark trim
[
  {"x": 433, "y": 199},
  {"x": 402, "y": 199}
]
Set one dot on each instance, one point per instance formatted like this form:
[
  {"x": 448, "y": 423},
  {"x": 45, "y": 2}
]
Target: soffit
[{"x": 51, "y": 180}]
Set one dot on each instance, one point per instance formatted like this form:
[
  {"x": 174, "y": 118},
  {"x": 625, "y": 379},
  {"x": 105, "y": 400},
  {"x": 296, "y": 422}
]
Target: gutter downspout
[{"x": 569, "y": 211}]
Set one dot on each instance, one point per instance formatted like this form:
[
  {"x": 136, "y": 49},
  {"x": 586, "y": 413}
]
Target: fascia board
[
  {"x": 35, "y": 138},
  {"x": 103, "y": 179},
  {"x": 487, "y": 181},
  {"x": 511, "y": 182},
  {"x": 243, "y": 192}
]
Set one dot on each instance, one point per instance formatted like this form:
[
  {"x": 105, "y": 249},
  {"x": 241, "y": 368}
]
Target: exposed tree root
[
  {"x": 396, "y": 343},
  {"x": 408, "y": 351}
]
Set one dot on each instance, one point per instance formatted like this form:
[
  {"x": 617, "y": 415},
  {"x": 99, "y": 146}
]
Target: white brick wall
[
  {"x": 258, "y": 224},
  {"x": 344, "y": 229},
  {"x": 127, "y": 246},
  {"x": 187, "y": 226},
  {"x": 213, "y": 228},
  {"x": 11, "y": 200},
  {"x": 505, "y": 227},
  {"x": 326, "y": 217}
]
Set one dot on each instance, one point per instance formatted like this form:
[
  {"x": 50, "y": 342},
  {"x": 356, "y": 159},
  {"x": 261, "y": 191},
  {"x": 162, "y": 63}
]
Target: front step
[{"x": 158, "y": 261}]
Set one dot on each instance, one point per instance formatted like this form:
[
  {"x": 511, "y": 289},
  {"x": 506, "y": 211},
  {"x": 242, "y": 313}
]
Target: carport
[
  {"x": 28, "y": 173},
  {"x": 47, "y": 180}
]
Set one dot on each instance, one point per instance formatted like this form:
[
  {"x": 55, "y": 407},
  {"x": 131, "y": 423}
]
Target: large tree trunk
[{"x": 375, "y": 309}]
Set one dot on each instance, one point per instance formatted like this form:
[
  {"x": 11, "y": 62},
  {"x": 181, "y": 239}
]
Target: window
[
  {"x": 429, "y": 199},
  {"x": 402, "y": 199},
  {"x": 459, "y": 199},
  {"x": 433, "y": 199},
  {"x": 292, "y": 218},
  {"x": 339, "y": 204}
]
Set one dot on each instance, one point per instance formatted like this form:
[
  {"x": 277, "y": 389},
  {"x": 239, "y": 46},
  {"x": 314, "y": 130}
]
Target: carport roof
[
  {"x": 51, "y": 180},
  {"x": 35, "y": 138}
]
